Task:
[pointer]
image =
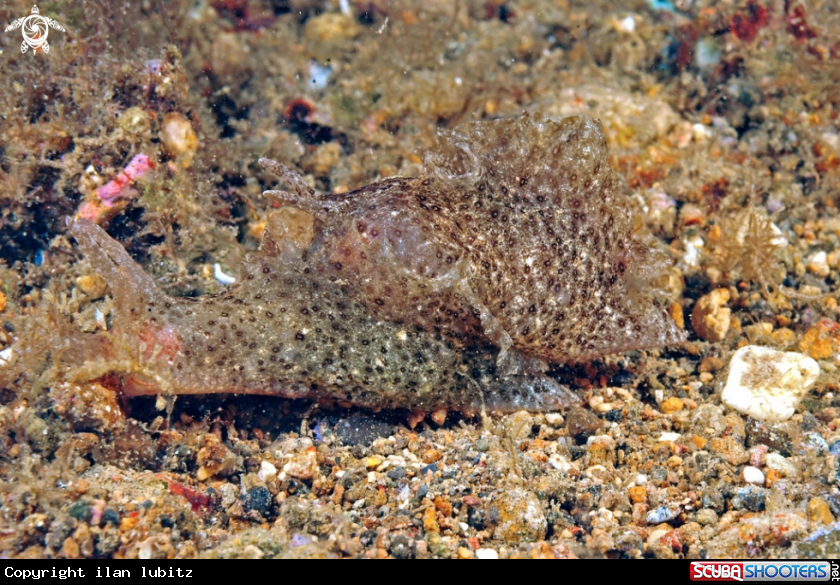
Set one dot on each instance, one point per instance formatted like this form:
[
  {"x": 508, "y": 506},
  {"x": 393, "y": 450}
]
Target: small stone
[
  {"x": 710, "y": 318},
  {"x": 663, "y": 514},
  {"x": 110, "y": 516},
  {"x": 638, "y": 494},
  {"x": 267, "y": 471},
  {"x": 674, "y": 461},
  {"x": 676, "y": 312},
  {"x": 465, "y": 553},
  {"x": 373, "y": 462},
  {"x": 706, "y": 517},
  {"x": 396, "y": 473},
  {"x": 772, "y": 477},
  {"x": 581, "y": 424},
  {"x": 757, "y": 454},
  {"x": 782, "y": 465},
  {"x": 331, "y": 27},
  {"x": 818, "y": 264},
  {"x": 671, "y": 405},
  {"x": 303, "y": 465},
  {"x": 81, "y": 511},
  {"x": 87, "y": 405},
  {"x": 697, "y": 443},
  {"x": 128, "y": 523},
  {"x": 783, "y": 336},
  {"x": 555, "y": 419},
  {"x": 179, "y": 138},
  {"x": 639, "y": 514},
  {"x": 751, "y": 498},
  {"x": 35, "y": 524},
  {"x": 775, "y": 440},
  {"x": 443, "y": 506},
  {"x": 403, "y": 547},
  {"x": 257, "y": 499},
  {"x": 601, "y": 450},
  {"x": 92, "y": 285},
  {"x": 729, "y": 449},
  {"x": 712, "y": 499},
  {"x": 252, "y": 551},
  {"x": 752, "y": 475},
  {"x": 430, "y": 522},
  {"x": 559, "y": 462},
  {"x": 70, "y": 550},
  {"x": 819, "y": 511},
  {"x": 822, "y": 340},
  {"x": 710, "y": 364},
  {"x": 521, "y": 517},
  {"x": 432, "y": 455},
  {"x": 203, "y": 473},
  {"x": 213, "y": 458},
  {"x": 758, "y": 330},
  {"x": 135, "y": 120},
  {"x": 438, "y": 416},
  {"x": 338, "y": 494},
  {"x": 486, "y": 553},
  {"x": 767, "y": 384}
]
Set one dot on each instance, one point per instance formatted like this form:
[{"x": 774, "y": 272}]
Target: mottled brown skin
[
  {"x": 519, "y": 234},
  {"x": 451, "y": 291}
]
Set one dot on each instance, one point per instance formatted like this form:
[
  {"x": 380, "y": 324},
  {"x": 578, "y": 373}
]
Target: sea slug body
[{"x": 455, "y": 290}]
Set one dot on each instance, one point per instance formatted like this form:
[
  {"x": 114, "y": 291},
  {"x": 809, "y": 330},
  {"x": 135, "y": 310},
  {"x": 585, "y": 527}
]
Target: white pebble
[
  {"x": 818, "y": 264},
  {"x": 267, "y": 471},
  {"x": 559, "y": 462},
  {"x": 767, "y": 384},
  {"x": 628, "y": 24},
  {"x": 607, "y": 441},
  {"x": 781, "y": 464},
  {"x": 486, "y": 553},
  {"x": 700, "y": 132},
  {"x": 6, "y": 357},
  {"x": 753, "y": 475},
  {"x": 555, "y": 419},
  {"x": 100, "y": 320},
  {"x": 640, "y": 479},
  {"x": 668, "y": 437},
  {"x": 145, "y": 550},
  {"x": 692, "y": 251},
  {"x": 221, "y": 276},
  {"x": 319, "y": 75}
]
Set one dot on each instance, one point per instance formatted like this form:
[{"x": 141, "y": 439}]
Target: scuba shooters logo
[
  {"x": 717, "y": 571},
  {"x": 765, "y": 571}
]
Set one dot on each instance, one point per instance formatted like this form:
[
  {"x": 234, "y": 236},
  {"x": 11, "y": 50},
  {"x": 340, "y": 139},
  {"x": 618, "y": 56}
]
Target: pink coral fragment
[
  {"x": 99, "y": 202},
  {"x": 116, "y": 188}
]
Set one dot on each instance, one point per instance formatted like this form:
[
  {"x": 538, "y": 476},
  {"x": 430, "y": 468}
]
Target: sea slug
[{"x": 455, "y": 290}]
